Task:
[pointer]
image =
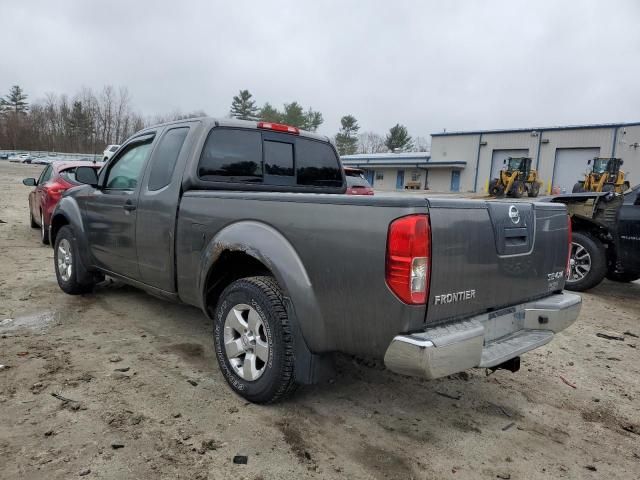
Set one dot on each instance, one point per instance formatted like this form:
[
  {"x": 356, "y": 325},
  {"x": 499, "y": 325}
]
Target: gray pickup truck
[{"x": 249, "y": 222}]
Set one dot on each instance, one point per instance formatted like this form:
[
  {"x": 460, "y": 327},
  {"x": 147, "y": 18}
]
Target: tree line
[
  {"x": 85, "y": 122},
  {"x": 88, "y": 121},
  {"x": 348, "y": 140}
]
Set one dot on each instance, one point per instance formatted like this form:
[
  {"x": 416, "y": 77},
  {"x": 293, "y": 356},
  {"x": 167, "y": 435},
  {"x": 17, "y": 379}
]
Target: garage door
[
  {"x": 499, "y": 156},
  {"x": 570, "y": 165}
]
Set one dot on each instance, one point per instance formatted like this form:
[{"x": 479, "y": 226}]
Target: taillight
[
  {"x": 570, "y": 235},
  {"x": 278, "y": 127},
  {"x": 57, "y": 188},
  {"x": 408, "y": 262}
]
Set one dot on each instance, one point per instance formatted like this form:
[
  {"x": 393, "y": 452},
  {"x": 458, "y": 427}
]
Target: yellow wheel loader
[
  {"x": 516, "y": 179},
  {"x": 604, "y": 175}
]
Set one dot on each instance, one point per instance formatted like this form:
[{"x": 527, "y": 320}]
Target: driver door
[{"x": 111, "y": 210}]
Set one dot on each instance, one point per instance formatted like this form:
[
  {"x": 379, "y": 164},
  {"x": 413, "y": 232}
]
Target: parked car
[
  {"x": 357, "y": 184},
  {"x": 606, "y": 237},
  {"x": 4, "y": 156},
  {"x": 109, "y": 151},
  {"x": 21, "y": 158},
  {"x": 249, "y": 222},
  {"x": 55, "y": 179}
]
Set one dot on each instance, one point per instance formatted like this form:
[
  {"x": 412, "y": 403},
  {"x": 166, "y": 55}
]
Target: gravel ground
[{"x": 139, "y": 394}]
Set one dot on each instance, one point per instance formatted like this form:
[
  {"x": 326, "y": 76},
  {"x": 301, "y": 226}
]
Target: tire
[
  {"x": 517, "y": 189},
  {"x": 588, "y": 262},
  {"x": 250, "y": 318},
  {"x": 32, "y": 221},
  {"x": 496, "y": 189},
  {"x": 44, "y": 234},
  {"x": 578, "y": 188},
  {"x": 622, "y": 277},
  {"x": 608, "y": 187},
  {"x": 534, "y": 190},
  {"x": 73, "y": 279}
]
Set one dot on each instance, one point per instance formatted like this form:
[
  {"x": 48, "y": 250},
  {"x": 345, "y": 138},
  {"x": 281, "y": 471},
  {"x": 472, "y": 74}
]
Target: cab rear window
[{"x": 238, "y": 155}]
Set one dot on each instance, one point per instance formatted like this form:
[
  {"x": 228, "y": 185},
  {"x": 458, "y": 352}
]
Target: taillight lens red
[
  {"x": 279, "y": 127},
  {"x": 570, "y": 235},
  {"x": 408, "y": 262},
  {"x": 56, "y": 188}
]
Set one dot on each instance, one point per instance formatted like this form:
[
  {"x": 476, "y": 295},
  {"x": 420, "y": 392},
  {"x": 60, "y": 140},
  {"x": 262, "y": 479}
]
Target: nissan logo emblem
[{"x": 514, "y": 215}]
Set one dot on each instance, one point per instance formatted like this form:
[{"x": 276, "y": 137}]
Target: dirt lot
[{"x": 148, "y": 401}]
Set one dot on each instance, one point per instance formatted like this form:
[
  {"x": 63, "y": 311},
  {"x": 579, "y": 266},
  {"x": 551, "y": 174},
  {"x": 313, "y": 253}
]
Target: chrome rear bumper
[{"x": 485, "y": 340}]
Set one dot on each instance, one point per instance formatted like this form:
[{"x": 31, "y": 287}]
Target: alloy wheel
[
  {"x": 64, "y": 260},
  {"x": 245, "y": 342},
  {"x": 580, "y": 262}
]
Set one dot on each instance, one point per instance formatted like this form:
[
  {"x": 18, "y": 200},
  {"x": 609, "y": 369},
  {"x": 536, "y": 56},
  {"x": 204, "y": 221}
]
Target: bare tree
[{"x": 370, "y": 142}]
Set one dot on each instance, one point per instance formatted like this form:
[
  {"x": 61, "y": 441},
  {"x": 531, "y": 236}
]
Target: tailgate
[{"x": 488, "y": 255}]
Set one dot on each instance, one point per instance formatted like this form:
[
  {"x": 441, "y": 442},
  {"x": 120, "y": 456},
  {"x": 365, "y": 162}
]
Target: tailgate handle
[{"x": 515, "y": 236}]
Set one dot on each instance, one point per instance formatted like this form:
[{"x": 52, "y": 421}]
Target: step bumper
[{"x": 484, "y": 341}]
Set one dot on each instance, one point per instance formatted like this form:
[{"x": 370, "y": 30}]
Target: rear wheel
[
  {"x": 517, "y": 189},
  {"x": 587, "y": 263},
  {"x": 44, "y": 234},
  {"x": 534, "y": 189},
  {"x": 253, "y": 340}
]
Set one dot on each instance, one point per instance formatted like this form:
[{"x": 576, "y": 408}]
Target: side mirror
[
  {"x": 87, "y": 175},
  {"x": 30, "y": 182}
]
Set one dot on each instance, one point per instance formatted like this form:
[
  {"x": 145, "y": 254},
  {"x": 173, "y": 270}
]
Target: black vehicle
[
  {"x": 606, "y": 237},
  {"x": 249, "y": 222}
]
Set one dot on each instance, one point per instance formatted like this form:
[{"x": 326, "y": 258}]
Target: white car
[{"x": 109, "y": 151}]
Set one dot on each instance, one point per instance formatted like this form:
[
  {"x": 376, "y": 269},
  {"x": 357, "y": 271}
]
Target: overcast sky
[{"x": 429, "y": 65}]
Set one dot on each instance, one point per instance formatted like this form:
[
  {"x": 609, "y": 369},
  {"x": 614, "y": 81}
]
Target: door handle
[{"x": 129, "y": 206}]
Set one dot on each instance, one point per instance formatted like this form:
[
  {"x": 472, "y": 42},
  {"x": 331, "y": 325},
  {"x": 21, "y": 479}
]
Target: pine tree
[
  {"x": 398, "y": 139},
  {"x": 312, "y": 120},
  {"x": 346, "y": 139},
  {"x": 244, "y": 107},
  {"x": 15, "y": 101},
  {"x": 268, "y": 113},
  {"x": 294, "y": 115}
]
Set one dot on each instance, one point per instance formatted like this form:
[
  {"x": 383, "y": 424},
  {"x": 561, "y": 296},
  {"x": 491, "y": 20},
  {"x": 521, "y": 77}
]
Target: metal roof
[
  {"x": 388, "y": 156},
  {"x": 538, "y": 129}
]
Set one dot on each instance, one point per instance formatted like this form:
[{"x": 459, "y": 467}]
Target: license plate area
[{"x": 502, "y": 323}]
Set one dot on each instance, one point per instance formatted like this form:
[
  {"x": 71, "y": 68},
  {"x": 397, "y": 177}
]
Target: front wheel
[
  {"x": 32, "y": 221},
  {"x": 587, "y": 263},
  {"x": 497, "y": 188},
  {"x": 534, "y": 189},
  {"x": 72, "y": 278},
  {"x": 578, "y": 188},
  {"x": 517, "y": 190},
  {"x": 253, "y": 340}
]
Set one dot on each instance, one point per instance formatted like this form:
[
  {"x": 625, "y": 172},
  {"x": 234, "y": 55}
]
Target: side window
[
  {"x": 165, "y": 157},
  {"x": 45, "y": 176},
  {"x": 278, "y": 158},
  {"x": 232, "y": 156},
  {"x": 317, "y": 164},
  {"x": 126, "y": 170}
]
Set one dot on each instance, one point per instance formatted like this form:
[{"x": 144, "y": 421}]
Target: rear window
[
  {"x": 236, "y": 155},
  {"x": 357, "y": 182},
  {"x": 317, "y": 164}
]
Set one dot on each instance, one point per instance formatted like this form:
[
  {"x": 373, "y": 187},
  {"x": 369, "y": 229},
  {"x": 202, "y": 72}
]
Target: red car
[
  {"x": 53, "y": 181},
  {"x": 356, "y": 182}
]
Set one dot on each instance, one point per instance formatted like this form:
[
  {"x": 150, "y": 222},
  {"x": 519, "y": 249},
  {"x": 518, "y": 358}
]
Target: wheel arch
[{"x": 253, "y": 248}]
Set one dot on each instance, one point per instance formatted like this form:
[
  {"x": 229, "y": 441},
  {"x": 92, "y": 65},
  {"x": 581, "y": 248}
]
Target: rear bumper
[{"x": 485, "y": 340}]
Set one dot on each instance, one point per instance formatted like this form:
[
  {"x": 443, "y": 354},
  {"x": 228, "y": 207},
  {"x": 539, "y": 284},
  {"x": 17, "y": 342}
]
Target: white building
[
  {"x": 401, "y": 171},
  {"x": 560, "y": 154}
]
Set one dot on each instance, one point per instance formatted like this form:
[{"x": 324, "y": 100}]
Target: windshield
[
  {"x": 514, "y": 163},
  {"x": 600, "y": 165}
]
